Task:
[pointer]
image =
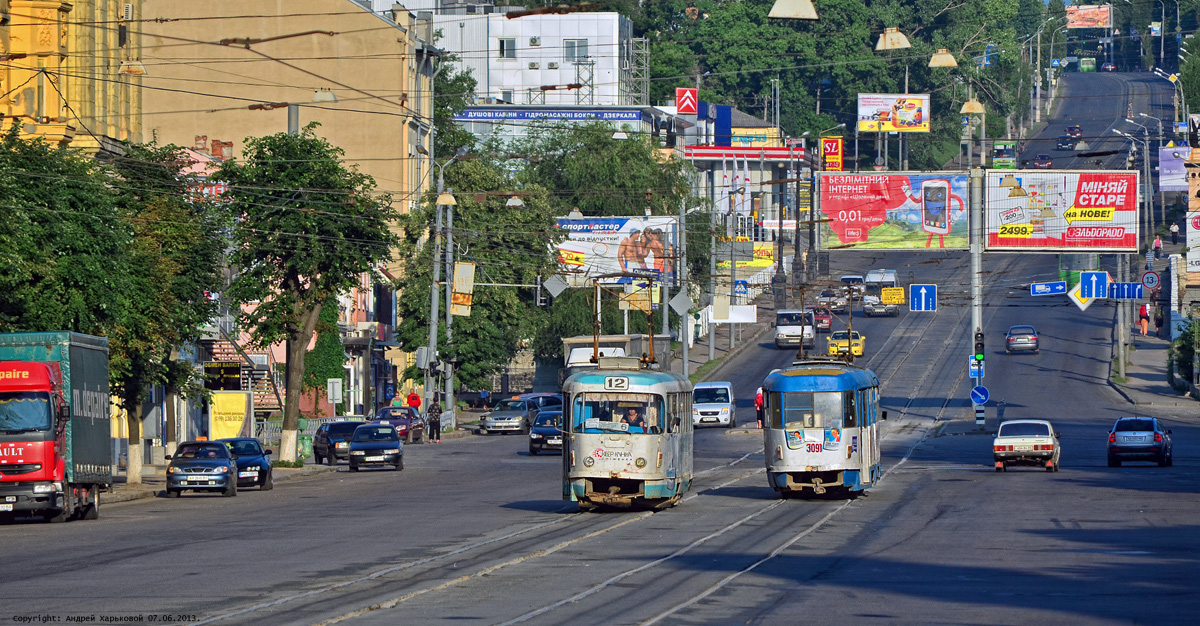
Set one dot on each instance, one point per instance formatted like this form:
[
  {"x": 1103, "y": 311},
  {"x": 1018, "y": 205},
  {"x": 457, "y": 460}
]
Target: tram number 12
[{"x": 616, "y": 383}]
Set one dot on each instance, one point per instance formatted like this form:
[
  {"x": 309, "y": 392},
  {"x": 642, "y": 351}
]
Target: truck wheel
[
  {"x": 93, "y": 508},
  {"x": 68, "y": 510}
]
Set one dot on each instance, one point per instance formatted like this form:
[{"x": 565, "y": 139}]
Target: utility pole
[
  {"x": 976, "y": 244},
  {"x": 447, "y": 366},
  {"x": 681, "y": 271},
  {"x": 1122, "y": 275}
]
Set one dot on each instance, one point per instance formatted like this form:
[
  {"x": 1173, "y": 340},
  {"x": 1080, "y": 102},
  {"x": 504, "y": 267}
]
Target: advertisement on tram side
[
  {"x": 1061, "y": 211},
  {"x": 894, "y": 210}
]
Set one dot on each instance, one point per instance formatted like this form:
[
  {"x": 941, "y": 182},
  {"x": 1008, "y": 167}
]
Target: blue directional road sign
[
  {"x": 1093, "y": 284},
  {"x": 1048, "y": 289},
  {"x": 979, "y": 394},
  {"x": 1125, "y": 291},
  {"x": 974, "y": 368},
  {"x": 922, "y": 298}
]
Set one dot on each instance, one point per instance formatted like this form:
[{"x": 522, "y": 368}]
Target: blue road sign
[
  {"x": 1093, "y": 284},
  {"x": 1054, "y": 63},
  {"x": 974, "y": 368},
  {"x": 922, "y": 297},
  {"x": 979, "y": 394},
  {"x": 966, "y": 120},
  {"x": 1125, "y": 291},
  {"x": 740, "y": 287},
  {"x": 1048, "y": 289}
]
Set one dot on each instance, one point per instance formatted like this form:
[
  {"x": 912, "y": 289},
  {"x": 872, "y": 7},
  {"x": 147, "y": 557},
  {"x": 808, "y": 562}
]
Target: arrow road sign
[
  {"x": 1125, "y": 291},
  {"x": 1150, "y": 280},
  {"x": 1093, "y": 284},
  {"x": 979, "y": 394},
  {"x": 1048, "y": 289},
  {"x": 922, "y": 298}
]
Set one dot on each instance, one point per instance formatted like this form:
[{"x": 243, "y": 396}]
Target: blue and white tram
[
  {"x": 628, "y": 436},
  {"x": 821, "y": 427}
]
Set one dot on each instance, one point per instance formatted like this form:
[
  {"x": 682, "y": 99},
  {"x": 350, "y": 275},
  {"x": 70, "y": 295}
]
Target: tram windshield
[
  {"x": 617, "y": 412},
  {"x": 811, "y": 410}
]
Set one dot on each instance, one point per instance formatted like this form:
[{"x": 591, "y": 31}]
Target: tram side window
[
  {"x": 822, "y": 409},
  {"x": 850, "y": 418},
  {"x": 771, "y": 409}
]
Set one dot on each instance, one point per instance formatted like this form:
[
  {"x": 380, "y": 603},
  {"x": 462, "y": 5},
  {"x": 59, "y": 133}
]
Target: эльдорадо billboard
[
  {"x": 895, "y": 210},
  {"x": 1089, "y": 16},
  {"x": 893, "y": 112},
  {"x": 1062, "y": 211}
]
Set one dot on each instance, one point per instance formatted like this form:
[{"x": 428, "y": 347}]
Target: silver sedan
[{"x": 1023, "y": 338}]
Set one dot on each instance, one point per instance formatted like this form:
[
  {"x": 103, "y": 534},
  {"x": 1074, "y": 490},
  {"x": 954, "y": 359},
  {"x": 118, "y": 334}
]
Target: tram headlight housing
[
  {"x": 640, "y": 462},
  {"x": 588, "y": 461}
]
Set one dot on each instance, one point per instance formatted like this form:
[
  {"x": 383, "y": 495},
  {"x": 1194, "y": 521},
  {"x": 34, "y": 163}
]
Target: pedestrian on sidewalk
[
  {"x": 414, "y": 400},
  {"x": 1144, "y": 318},
  {"x": 1158, "y": 321},
  {"x": 433, "y": 429},
  {"x": 1157, "y": 247},
  {"x": 1174, "y": 234},
  {"x": 758, "y": 406}
]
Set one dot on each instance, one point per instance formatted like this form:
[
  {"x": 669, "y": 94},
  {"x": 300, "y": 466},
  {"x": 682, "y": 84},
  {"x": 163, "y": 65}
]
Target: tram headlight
[
  {"x": 588, "y": 461},
  {"x": 640, "y": 462}
]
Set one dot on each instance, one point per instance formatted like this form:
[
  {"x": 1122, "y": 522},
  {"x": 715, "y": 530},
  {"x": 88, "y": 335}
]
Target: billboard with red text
[
  {"x": 894, "y": 210},
  {"x": 1062, "y": 211}
]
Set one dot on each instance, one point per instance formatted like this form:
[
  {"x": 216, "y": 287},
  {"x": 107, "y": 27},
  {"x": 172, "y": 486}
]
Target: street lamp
[
  {"x": 1181, "y": 98},
  {"x": 893, "y": 39},
  {"x": 293, "y": 108},
  {"x": 1145, "y": 178},
  {"x": 447, "y": 200}
]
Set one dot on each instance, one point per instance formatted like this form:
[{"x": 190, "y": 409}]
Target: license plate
[
  {"x": 708, "y": 419},
  {"x": 6, "y": 507},
  {"x": 374, "y": 458},
  {"x": 555, "y": 441},
  {"x": 247, "y": 474},
  {"x": 1023, "y": 448},
  {"x": 198, "y": 479}
]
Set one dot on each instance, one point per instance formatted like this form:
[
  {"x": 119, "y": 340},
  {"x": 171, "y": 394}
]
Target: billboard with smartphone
[
  {"x": 894, "y": 210},
  {"x": 893, "y": 112},
  {"x": 1061, "y": 211},
  {"x": 1089, "y": 16}
]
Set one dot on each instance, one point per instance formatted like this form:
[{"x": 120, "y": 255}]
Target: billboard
[
  {"x": 831, "y": 153},
  {"x": 1172, "y": 176},
  {"x": 895, "y": 210},
  {"x": 1089, "y": 16},
  {"x": 607, "y": 245},
  {"x": 1062, "y": 211},
  {"x": 888, "y": 112}
]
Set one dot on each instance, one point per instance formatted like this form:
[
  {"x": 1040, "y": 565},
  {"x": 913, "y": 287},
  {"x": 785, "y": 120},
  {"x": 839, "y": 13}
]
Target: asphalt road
[{"x": 475, "y": 531}]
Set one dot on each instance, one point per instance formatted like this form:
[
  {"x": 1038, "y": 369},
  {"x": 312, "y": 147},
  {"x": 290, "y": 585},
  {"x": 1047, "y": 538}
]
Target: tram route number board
[{"x": 616, "y": 383}]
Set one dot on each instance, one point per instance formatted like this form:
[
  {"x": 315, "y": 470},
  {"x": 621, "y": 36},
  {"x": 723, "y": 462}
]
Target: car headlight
[
  {"x": 47, "y": 488},
  {"x": 342, "y": 444},
  {"x": 222, "y": 470},
  {"x": 357, "y": 452},
  {"x": 725, "y": 411},
  {"x": 392, "y": 451},
  {"x": 534, "y": 436},
  {"x": 175, "y": 470}
]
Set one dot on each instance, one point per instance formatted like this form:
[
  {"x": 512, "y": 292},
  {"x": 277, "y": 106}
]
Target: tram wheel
[{"x": 586, "y": 506}]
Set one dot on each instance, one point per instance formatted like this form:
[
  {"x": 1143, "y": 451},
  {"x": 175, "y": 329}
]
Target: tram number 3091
[
  {"x": 616, "y": 383},
  {"x": 813, "y": 447}
]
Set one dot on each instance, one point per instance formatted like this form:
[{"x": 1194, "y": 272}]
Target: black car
[
  {"x": 253, "y": 463},
  {"x": 202, "y": 466},
  {"x": 1042, "y": 162},
  {"x": 1065, "y": 142},
  {"x": 546, "y": 433},
  {"x": 332, "y": 441},
  {"x": 1140, "y": 439},
  {"x": 376, "y": 444}
]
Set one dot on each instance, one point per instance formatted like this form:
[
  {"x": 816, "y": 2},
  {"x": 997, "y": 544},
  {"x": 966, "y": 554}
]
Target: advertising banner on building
[
  {"x": 605, "y": 245},
  {"x": 831, "y": 153},
  {"x": 231, "y": 414},
  {"x": 1192, "y": 231},
  {"x": 1062, "y": 211},
  {"x": 893, "y": 112},
  {"x": 1172, "y": 175},
  {"x": 901, "y": 210},
  {"x": 1089, "y": 16}
]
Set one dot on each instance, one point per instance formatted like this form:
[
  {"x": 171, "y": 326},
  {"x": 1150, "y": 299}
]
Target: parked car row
[
  {"x": 515, "y": 414},
  {"x": 223, "y": 466}
]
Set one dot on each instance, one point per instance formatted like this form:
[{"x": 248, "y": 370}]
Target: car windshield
[
  {"x": 509, "y": 405},
  {"x": 828, "y": 294},
  {"x": 843, "y": 335},
  {"x": 343, "y": 428},
  {"x": 246, "y": 447},
  {"x": 548, "y": 419},
  {"x": 1134, "y": 425},
  {"x": 1024, "y": 429},
  {"x": 1043, "y": 157},
  {"x": 852, "y": 280},
  {"x": 394, "y": 412},
  {"x": 24, "y": 410},
  {"x": 710, "y": 395},
  {"x": 791, "y": 319},
  {"x": 201, "y": 451},
  {"x": 1022, "y": 330},
  {"x": 375, "y": 433}
]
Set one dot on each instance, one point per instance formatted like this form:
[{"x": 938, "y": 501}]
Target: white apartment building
[{"x": 576, "y": 59}]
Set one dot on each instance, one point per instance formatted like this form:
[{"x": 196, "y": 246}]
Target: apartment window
[
  {"x": 507, "y": 96},
  {"x": 508, "y": 48},
  {"x": 575, "y": 49}
]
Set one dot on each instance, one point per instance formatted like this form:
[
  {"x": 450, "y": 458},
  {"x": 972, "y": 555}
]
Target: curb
[{"x": 151, "y": 490}]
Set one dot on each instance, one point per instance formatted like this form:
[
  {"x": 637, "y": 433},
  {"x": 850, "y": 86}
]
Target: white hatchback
[{"x": 713, "y": 405}]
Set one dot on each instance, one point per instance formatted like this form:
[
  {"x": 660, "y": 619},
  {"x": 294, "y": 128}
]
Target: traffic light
[{"x": 979, "y": 345}]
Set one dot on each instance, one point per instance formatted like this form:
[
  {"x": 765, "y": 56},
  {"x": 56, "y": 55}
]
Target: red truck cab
[{"x": 33, "y": 415}]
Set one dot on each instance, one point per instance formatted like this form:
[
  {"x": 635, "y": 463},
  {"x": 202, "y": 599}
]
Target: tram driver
[{"x": 633, "y": 417}]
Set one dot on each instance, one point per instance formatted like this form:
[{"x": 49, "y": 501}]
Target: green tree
[
  {"x": 510, "y": 245},
  {"x": 327, "y": 359},
  {"x": 453, "y": 91},
  {"x": 308, "y": 227}
]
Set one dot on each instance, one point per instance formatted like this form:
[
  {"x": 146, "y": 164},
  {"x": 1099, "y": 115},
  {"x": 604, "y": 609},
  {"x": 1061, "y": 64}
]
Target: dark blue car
[
  {"x": 202, "y": 466},
  {"x": 376, "y": 444},
  {"x": 546, "y": 433},
  {"x": 253, "y": 463}
]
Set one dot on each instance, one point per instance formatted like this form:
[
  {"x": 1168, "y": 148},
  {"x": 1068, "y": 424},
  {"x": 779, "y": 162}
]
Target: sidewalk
[{"x": 154, "y": 481}]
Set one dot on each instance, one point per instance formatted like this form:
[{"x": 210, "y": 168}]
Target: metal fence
[{"x": 270, "y": 432}]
